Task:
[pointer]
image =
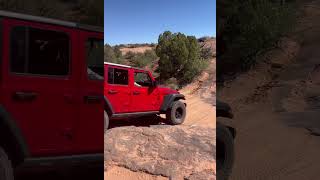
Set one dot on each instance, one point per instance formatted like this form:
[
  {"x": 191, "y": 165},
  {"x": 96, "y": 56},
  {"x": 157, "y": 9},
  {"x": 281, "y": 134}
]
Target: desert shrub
[
  {"x": 129, "y": 55},
  {"x": 111, "y": 55},
  {"x": 155, "y": 75},
  {"x": 206, "y": 53},
  {"x": 120, "y": 46},
  {"x": 172, "y": 83},
  {"x": 114, "y": 55},
  {"x": 117, "y": 52},
  {"x": 143, "y": 59},
  {"x": 179, "y": 57},
  {"x": 248, "y": 28}
]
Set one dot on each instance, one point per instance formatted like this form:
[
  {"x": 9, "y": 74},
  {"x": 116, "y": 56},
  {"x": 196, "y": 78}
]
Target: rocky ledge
[{"x": 176, "y": 152}]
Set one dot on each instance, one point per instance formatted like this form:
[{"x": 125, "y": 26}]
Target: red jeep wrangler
[
  {"x": 51, "y": 84},
  {"x": 132, "y": 92}
]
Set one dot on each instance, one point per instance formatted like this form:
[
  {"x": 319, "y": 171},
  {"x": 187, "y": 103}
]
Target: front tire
[
  {"x": 6, "y": 170},
  {"x": 177, "y": 113},
  {"x": 106, "y": 121},
  {"x": 225, "y": 152}
]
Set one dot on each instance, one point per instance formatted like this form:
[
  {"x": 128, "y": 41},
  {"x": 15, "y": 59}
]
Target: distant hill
[
  {"x": 204, "y": 42},
  {"x": 139, "y": 49}
]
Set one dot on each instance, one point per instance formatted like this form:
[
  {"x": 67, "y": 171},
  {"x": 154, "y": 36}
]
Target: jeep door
[
  {"x": 117, "y": 89},
  {"x": 39, "y": 84},
  {"x": 89, "y": 132},
  {"x": 145, "y": 97}
]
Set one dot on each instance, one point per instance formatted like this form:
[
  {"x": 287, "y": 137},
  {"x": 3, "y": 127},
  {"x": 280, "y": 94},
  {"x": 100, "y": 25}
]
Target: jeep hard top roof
[
  {"x": 49, "y": 21},
  {"x": 121, "y": 65}
]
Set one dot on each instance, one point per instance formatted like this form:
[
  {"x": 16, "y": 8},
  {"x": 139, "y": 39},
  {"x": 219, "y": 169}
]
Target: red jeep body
[
  {"x": 50, "y": 105},
  {"x": 133, "y": 91}
]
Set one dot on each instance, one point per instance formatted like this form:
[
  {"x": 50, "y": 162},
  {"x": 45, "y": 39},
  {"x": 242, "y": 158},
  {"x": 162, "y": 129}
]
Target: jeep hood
[{"x": 166, "y": 90}]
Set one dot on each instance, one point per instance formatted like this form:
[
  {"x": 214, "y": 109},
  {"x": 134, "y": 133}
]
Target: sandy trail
[
  {"x": 201, "y": 99},
  {"x": 276, "y": 134},
  {"x": 200, "y": 112},
  {"x": 119, "y": 173}
]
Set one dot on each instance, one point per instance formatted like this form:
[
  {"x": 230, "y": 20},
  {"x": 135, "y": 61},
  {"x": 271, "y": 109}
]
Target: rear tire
[
  {"x": 6, "y": 170},
  {"x": 106, "y": 121},
  {"x": 176, "y": 114},
  {"x": 225, "y": 152}
]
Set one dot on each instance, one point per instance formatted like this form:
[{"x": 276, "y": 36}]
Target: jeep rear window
[
  {"x": 117, "y": 76},
  {"x": 38, "y": 51},
  {"x": 95, "y": 65}
]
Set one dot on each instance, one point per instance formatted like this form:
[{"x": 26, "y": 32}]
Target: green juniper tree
[{"x": 179, "y": 57}]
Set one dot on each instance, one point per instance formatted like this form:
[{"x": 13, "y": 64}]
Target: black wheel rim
[{"x": 179, "y": 113}]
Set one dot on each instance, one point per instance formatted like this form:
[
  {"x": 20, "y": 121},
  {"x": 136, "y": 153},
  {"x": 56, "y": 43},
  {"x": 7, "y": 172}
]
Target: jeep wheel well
[
  {"x": 108, "y": 110},
  {"x": 11, "y": 139},
  {"x": 168, "y": 100},
  {"x": 108, "y": 107},
  {"x": 179, "y": 98},
  {"x": 9, "y": 143}
]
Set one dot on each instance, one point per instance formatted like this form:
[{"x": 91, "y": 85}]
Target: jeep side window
[
  {"x": 94, "y": 51},
  {"x": 118, "y": 76},
  {"x": 142, "y": 79},
  {"x": 17, "y": 50},
  {"x": 38, "y": 51}
]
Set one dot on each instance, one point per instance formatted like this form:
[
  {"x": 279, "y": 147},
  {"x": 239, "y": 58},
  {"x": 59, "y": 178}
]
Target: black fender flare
[
  {"x": 225, "y": 115},
  {"x": 228, "y": 125},
  {"x": 223, "y": 110},
  {"x": 107, "y": 106},
  {"x": 168, "y": 100},
  {"x": 13, "y": 135}
]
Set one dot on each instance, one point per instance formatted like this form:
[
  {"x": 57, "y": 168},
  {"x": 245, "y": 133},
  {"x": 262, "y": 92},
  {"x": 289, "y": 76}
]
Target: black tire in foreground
[
  {"x": 225, "y": 152},
  {"x": 6, "y": 170},
  {"x": 177, "y": 113},
  {"x": 106, "y": 121}
]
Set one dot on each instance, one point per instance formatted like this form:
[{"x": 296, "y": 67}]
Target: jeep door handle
[
  {"x": 24, "y": 96},
  {"x": 92, "y": 99},
  {"x": 136, "y": 92},
  {"x": 112, "y": 91}
]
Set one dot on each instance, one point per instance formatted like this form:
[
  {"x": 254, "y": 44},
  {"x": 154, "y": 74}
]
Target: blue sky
[{"x": 141, "y": 21}]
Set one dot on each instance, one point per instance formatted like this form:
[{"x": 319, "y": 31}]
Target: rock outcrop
[{"x": 176, "y": 152}]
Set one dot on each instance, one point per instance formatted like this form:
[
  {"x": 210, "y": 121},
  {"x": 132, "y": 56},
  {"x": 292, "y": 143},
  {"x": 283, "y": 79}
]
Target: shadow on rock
[{"x": 146, "y": 121}]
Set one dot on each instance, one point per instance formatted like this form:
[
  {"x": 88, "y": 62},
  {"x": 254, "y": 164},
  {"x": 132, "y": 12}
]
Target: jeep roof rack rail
[
  {"x": 121, "y": 65},
  {"x": 27, "y": 17},
  {"x": 114, "y": 64}
]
